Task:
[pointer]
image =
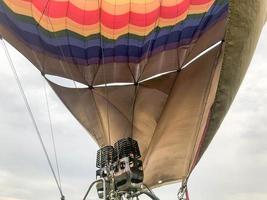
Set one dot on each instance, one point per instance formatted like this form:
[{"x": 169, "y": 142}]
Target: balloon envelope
[{"x": 136, "y": 59}]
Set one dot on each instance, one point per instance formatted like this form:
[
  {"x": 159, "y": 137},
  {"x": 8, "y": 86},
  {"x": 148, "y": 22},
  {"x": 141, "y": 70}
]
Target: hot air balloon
[{"x": 162, "y": 73}]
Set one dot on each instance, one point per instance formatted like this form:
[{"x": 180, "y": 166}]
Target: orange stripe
[
  {"x": 60, "y": 24},
  {"x": 117, "y": 9}
]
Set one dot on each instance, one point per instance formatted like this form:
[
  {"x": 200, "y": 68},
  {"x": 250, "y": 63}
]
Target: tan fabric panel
[
  {"x": 151, "y": 98},
  {"x": 121, "y": 97},
  {"x": 75, "y": 100},
  {"x": 105, "y": 112},
  {"x": 163, "y": 83},
  {"x": 112, "y": 73},
  {"x": 176, "y": 134},
  {"x": 243, "y": 31},
  {"x": 206, "y": 114},
  {"x": 113, "y": 109},
  {"x": 115, "y": 105},
  {"x": 116, "y": 125}
]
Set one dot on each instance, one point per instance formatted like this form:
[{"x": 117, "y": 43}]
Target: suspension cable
[
  {"x": 30, "y": 113},
  {"x": 52, "y": 133},
  {"x": 183, "y": 191}
]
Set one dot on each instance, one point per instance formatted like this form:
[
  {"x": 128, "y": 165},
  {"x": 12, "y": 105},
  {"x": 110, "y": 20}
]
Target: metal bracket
[{"x": 91, "y": 186}]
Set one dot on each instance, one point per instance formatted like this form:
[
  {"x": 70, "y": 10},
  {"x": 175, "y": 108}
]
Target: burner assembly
[{"x": 120, "y": 172}]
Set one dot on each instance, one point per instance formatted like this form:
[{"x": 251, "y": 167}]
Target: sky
[{"x": 233, "y": 167}]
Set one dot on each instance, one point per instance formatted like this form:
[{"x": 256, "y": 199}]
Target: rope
[
  {"x": 103, "y": 71},
  {"x": 30, "y": 113},
  {"x": 183, "y": 191},
  {"x": 52, "y": 133}
]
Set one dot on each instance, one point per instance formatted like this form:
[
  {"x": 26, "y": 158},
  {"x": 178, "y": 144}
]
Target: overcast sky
[{"x": 233, "y": 168}]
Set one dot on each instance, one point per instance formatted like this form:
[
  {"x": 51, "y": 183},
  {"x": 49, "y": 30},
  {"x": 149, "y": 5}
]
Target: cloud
[{"x": 9, "y": 198}]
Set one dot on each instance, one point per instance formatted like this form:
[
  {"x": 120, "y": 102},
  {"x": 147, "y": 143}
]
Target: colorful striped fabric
[
  {"x": 133, "y": 58},
  {"x": 95, "y": 31}
]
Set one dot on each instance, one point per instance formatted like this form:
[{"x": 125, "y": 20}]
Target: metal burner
[{"x": 120, "y": 172}]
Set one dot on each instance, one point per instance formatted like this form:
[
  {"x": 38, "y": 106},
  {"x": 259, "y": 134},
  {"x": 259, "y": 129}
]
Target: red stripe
[
  {"x": 56, "y": 9},
  {"x": 142, "y": 20}
]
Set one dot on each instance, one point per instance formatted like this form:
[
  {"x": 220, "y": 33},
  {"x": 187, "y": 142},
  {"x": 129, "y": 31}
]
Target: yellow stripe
[
  {"x": 109, "y": 6},
  {"x": 125, "y": 8},
  {"x": 59, "y": 24},
  {"x": 193, "y": 9}
]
